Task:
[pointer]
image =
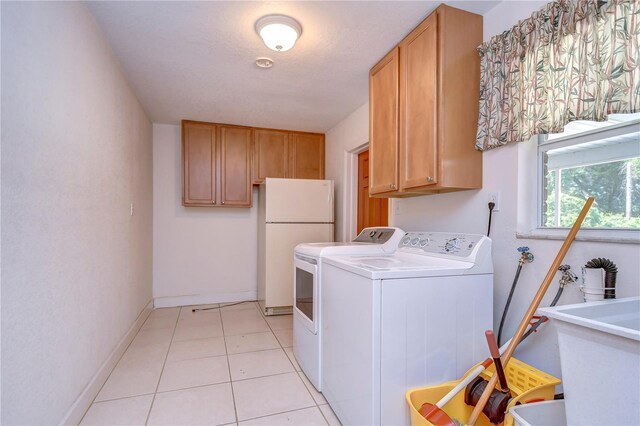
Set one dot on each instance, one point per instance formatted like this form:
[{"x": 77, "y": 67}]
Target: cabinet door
[
  {"x": 306, "y": 156},
  {"x": 199, "y": 156},
  {"x": 383, "y": 125},
  {"x": 235, "y": 166},
  {"x": 418, "y": 109},
  {"x": 270, "y": 154}
]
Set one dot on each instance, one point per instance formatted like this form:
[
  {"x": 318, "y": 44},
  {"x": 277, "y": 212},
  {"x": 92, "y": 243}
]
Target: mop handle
[
  {"x": 532, "y": 309},
  {"x": 495, "y": 354},
  {"x": 470, "y": 377}
]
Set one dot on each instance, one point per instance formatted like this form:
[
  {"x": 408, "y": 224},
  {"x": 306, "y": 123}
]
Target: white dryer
[
  {"x": 411, "y": 319},
  {"x": 307, "y": 318}
]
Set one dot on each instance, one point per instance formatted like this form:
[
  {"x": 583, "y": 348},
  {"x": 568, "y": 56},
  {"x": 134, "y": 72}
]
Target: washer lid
[{"x": 400, "y": 265}]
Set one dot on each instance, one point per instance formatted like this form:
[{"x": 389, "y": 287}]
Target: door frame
[{"x": 351, "y": 191}]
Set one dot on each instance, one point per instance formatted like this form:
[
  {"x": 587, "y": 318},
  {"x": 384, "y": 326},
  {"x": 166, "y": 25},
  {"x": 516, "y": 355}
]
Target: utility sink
[{"x": 600, "y": 357}]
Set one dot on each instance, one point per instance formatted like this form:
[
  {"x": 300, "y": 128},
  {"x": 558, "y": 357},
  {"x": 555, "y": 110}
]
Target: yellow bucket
[{"x": 527, "y": 384}]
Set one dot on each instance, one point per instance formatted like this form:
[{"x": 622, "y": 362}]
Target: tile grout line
[
  {"x": 175, "y": 326},
  {"x": 114, "y": 368},
  {"x": 281, "y": 412},
  {"x": 291, "y": 362},
  {"x": 226, "y": 350},
  {"x": 296, "y": 371}
]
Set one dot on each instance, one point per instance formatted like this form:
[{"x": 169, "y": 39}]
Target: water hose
[
  {"x": 610, "y": 275},
  {"x": 567, "y": 278},
  {"x": 525, "y": 257}
]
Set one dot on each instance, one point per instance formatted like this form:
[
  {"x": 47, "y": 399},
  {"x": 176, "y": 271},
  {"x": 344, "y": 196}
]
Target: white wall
[
  {"x": 200, "y": 254},
  {"x": 76, "y": 148},
  {"x": 341, "y": 141},
  {"x": 467, "y": 211}
]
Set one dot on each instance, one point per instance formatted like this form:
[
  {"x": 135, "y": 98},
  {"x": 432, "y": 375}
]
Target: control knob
[{"x": 451, "y": 244}]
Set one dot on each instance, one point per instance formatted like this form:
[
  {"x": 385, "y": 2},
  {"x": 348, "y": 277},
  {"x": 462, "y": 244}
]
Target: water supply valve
[
  {"x": 568, "y": 277},
  {"x": 525, "y": 255}
]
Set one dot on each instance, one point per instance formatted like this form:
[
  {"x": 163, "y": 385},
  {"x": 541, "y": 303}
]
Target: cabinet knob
[
  {"x": 223, "y": 202},
  {"x": 392, "y": 185},
  {"x": 429, "y": 178}
]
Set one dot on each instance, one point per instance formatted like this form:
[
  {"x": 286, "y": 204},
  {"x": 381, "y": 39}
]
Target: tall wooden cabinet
[
  {"x": 282, "y": 154},
  {"x": 383, "y": 125},
  {"x": 426, "y": 144},
  {"x": 217, "y": 165}
]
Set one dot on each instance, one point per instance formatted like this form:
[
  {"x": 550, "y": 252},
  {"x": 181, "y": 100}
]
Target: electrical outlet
[
  {"x": 494, "y": 197},
  {"x": 397, "y": 210}
]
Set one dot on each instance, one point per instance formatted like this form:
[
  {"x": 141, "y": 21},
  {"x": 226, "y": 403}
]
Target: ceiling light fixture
[{"x": 279, "y": 32}]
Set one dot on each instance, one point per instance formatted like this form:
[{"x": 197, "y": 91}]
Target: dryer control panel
[
  {"x": 451, "y": 244},
  {"x": 375, "y": 235}
]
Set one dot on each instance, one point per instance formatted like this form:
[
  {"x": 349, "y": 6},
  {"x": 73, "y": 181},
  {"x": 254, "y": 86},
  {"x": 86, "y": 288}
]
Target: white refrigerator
[{"x": 290, "y": 212}]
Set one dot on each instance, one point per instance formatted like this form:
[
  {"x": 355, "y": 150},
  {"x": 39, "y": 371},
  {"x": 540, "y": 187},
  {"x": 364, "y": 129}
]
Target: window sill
[{"x": 591, "y": 235}]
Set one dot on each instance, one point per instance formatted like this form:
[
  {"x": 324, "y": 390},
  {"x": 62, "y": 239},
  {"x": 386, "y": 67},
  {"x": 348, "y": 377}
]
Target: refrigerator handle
[{"x": 330, "y": 194}]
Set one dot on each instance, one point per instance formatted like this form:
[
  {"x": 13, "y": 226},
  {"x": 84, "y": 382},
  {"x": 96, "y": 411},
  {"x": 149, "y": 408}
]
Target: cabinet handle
[
  {"x": 392, "y": 186},
  {"x": 429, "y": 178}
]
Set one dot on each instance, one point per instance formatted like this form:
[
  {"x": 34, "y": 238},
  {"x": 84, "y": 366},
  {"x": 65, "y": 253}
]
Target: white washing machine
[
  {"x": 307, "y": 318},
  {"x": 411, "y": 319}
]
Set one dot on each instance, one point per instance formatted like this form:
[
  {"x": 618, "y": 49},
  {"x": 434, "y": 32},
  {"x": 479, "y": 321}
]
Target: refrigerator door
[
  {"x": 298, "y": 200},
  {"x": 281, "y": 240}
]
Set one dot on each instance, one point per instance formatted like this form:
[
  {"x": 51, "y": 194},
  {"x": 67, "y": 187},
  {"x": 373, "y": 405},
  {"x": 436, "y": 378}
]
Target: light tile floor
[{"x": 229, "y": 365}]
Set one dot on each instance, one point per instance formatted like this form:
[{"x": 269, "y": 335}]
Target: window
[{"x": 590, "y": 158}]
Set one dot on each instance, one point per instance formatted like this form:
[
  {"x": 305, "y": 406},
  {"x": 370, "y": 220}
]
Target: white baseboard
[
  {"x": 89, "y": 393},
  {"x": 203, "y": 299}
]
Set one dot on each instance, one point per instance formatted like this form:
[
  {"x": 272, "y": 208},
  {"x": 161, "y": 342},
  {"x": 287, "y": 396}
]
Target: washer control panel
[{"x": 461, "y": 245}]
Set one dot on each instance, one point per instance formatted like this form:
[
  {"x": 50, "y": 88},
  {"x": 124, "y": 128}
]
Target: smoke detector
[{"x": 264, "y": 62}]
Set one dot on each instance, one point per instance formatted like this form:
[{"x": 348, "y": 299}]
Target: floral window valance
[{"x": 572, "y": 60}]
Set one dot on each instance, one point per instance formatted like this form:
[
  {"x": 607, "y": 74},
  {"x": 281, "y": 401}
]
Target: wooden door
[
  {"x": 235, "y": 166},
  {"x": 371, "y": 211},
  {"x": 306, "y": 156},
  {"x": 199, "y": 156},
  {"x": 383, "y": 125},
  {"x": 270, "y": 154},
  {"x": 418, "y": 108}
]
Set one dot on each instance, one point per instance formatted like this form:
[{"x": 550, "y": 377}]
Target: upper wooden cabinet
[
  {"x": 217, "y": 165},
  {"x": 200, "y": 157},
  {"x": 222, "y": 162},
  {"x": 383, "y": 125},
  {"x": 270, "y": 154},
  {"x": 436, "y": 90},
  {"x": 282, "y": 154},
  {"x": 306, "y": 156},
  {"x": 235, "y": 166}
]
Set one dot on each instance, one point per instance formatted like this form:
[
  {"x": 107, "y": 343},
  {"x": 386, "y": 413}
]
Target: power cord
[
  {"x": 223, "y": 306},
  {"x": 491, "y": 207}
]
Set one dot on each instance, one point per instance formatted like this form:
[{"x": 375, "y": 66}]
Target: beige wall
[
  {"x": 76, "y": 151},
  {"x": 341, "y": 143},
  {"x": 467, "y": 211},
  {"x": 200, "y": 254}
]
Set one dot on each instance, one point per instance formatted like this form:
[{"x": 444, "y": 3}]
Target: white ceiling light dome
[{"x": 279, "y": 32}]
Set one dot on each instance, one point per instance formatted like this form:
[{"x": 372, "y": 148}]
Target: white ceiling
[{"x": 196, "y": 60}]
